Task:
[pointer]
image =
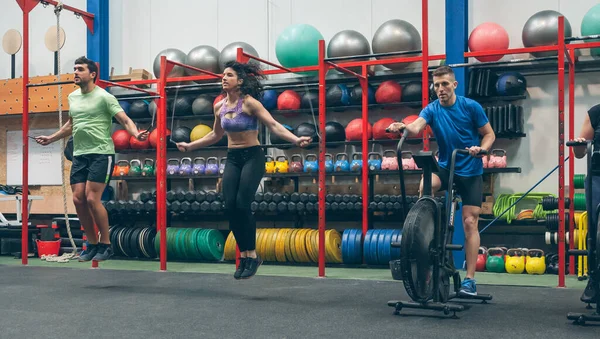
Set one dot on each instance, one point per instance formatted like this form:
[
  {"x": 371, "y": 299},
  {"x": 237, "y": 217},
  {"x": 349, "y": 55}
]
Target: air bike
[
  {"x": 593, "y": 239},
  {"x": 426, "y": 261}
]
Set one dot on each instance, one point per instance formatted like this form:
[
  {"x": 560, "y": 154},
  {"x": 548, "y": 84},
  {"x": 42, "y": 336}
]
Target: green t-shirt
[{"x": 92, "y": 115}]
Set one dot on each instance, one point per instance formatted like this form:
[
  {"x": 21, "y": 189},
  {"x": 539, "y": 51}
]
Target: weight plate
[
  {"x": 202, "y": 244},
  {"x": 280, "y": 245},
  {"x": 357, "y": 248},
  {"x": 287, "y": 248},
  {"x": 292, "y": 242},
  {"x": 272, "y": 244},
  {"x": 123, "y": 241},
  {"x": 216, "y": 244},
  {"x": 179, "y": 243},
  {"x": 301, "y": 246},
  {"x": 312, "y": 246},
  {"x": 386, "y": 251},
  {"x": 333, "y": 243},
  {"x": 345, "y": 246},
  {"x": 150, "y": 240},
  {"x": 315, "y": 245},
  {"x": 373, "y": 247},
  {"x": 133, "y": 243},
  {"x": 140, "y": 240},
  {"x": 367, "y": 246},
  {"x": 381, "y": 246},
  {"x": 395, "y": 251},
  {"x": 157, "y": 243},
  {"x": 230, "y": 245},
  {"x": 261, "y": 233},
  {"x": 190, "y": 249}
]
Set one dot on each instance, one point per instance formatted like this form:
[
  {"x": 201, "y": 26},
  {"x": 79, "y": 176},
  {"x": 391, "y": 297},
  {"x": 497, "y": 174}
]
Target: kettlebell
[
  {"x": 485, "y": 159},
  {"x": 172, "y": 166},
  {"x": 497, "y": 159},
  {"x": 135, "y": 168},
  {"x": 199, "y": 166},
  {"x": 356, "y": 164},
  {"x": 311, "y": 163},
  {"x": 269, "y": 164},
  {"x": 148, "y": 169},
  {"x": 481, "y": 259},
  {"x": 222, "y": 165},
  {"x": 374, "y": 161},
  {"x": 495, "y": 260},
  {"x": 328, "y": 163},
  {"x": 515, "y": 261},
  {"x": 122, "y": 168},
  {"x": 408, "y": 163},
  {"x": 536, "y": 262},
  {"x": 185, "y": 166},
  {"x": 212, "y": 166},
  {"x": 341, "y": 163},
  {"x": 281, "y": 164},
  {"x": 389, "y": 161},
  {"x": 296, "y": 163}
]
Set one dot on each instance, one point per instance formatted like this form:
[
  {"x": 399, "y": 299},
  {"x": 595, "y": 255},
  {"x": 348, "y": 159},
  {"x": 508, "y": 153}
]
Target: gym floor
[{"x": 132, "y": 299}]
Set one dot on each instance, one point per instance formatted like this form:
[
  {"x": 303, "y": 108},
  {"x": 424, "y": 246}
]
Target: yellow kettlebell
[
  {"x": 282, "y": 165},
  {"x": 269, "y": 164},
  {"x": 515, "y": 261},
  {"x": 536, "y": 262}
]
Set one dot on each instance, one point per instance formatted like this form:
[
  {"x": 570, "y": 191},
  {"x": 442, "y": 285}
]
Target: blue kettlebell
[
  {"x": 341, "y": 163},
  {"x": 222, "y": 165},
  {"x": 356, "y": 164},
  {"x": 173, "y": 166},
  {"x": 374, "y": 161},
  {"x": 328, "y": 163},
  {"x": 212, "y": 166},
  {"x": 311, "y": 163}
]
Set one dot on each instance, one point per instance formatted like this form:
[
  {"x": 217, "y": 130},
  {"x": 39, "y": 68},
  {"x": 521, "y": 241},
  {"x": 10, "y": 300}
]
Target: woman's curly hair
[{"x": 250, "y": 73}]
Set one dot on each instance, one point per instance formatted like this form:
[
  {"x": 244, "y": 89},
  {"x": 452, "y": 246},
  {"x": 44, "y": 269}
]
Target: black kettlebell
[
  {"x": 306, "y": 129},
  {"x": 68, "y": 152}
]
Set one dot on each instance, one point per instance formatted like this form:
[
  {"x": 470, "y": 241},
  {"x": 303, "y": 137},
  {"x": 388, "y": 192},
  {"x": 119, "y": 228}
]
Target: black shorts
[
  {"x": 470, "y": 189},
  {"x": 92, "y": 167}
]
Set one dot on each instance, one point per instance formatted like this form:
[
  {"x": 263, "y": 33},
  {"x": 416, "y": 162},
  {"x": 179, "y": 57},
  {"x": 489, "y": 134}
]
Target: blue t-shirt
[{"x": 457, "y": 127}]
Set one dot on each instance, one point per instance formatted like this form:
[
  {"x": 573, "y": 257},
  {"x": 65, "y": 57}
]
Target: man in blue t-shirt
[{"x": 457, "y": 122}]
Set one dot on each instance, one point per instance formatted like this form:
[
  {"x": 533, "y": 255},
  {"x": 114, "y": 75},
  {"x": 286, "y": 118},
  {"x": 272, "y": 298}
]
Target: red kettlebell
[
  {"x": 296, "y": 163},
  {"x": 481, "y": 259},
  {"x": 497, "y": 159},
  {"x": 408, "y": 163}
]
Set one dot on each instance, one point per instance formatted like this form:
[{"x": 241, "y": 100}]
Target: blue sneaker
[
  {"x": 90, "y": 251},
  {"x": 105, "y": 252},
  {"x": 468, "y": 288}
]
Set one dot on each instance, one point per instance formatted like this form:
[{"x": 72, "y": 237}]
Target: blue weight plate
[
  {"x": 367, "y": 246},
  {"x": 395, "y": 251},
  {"x": 345, "y": 246},
  {"x": 373, "y": 247},
  {"x": 381, "y": 246},
  {"x": 356, "y": 246},
  {"x": 387, "y": 248}
]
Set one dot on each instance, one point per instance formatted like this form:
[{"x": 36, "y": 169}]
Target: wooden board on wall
[
  {"x": 41, "y": 99},
  {"x": 53, "y": 201}
]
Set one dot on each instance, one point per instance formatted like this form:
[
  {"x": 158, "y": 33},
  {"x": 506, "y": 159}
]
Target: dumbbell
[
  {"x": 200, "y": 196},
  {"x": 295, "y": 197},
  {"x": 147, "y": 196},
  {"x": 138, "y": 206},
  {"x": 338, "y": 198},
  {"x": 334, "y": 205},
  {"x": 205, "y": 206},
  {"x": 389, "y": 205},
  {"x": 327, "y": 206},
  {"x": 385, "y": 198},
  {"x": 121, "y": 208},
  {"x": 263, "y": 206},
  {"x": 282, "y": 206},
  {"x": 393, "y": 198},
  {"x": 195, "y": 207},
  {"x": 346, "y": 198},
  {"x": 150, "y": 206},
  {"x": 313, "y": 198},
  {"x": 171, "y": 196},
  {"x": 277, "y": 197},
  {"x": 272, "y": 206},
  {"x": 186, "y": 206},
  {"x": 254, "y": 206},
  {"x": 258, "y": 197},
  {"x": 310, "y": 207},
  {"x": 176, "y": 206},
  {"x": 216, "y": 206},
  {"x": 180, "y": 195},
  {"x": 358, "y": 206},
  {"x": 330, "y": 198},
  {"x": 190, "y": 196},
  {"x": 211, "y": 196},
  {"x": 268, "y": 197},
  {"x": 343, "y": 206},
  {"x": 304, "y": 197}
]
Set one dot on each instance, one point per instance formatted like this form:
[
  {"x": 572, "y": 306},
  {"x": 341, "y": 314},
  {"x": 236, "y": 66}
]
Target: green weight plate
[
  {"x": 156, "y": 243},
  {"x": 188, "y": 249},
  {"x": 179, "y": 243},
  {"x": 215, "y": 244},
  {"x": 195, "y": 254},
  {"x": 202, "y": 239}
]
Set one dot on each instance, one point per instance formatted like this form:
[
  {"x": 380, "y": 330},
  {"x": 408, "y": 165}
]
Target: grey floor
[{"x": 41, "y": 302}]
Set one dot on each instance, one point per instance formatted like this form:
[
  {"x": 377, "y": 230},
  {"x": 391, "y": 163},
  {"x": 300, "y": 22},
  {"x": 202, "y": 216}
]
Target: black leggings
[{"x": 244, "y": 169}]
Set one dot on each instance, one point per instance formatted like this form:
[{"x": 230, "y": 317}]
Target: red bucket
[{"x": 48, "y": 247}]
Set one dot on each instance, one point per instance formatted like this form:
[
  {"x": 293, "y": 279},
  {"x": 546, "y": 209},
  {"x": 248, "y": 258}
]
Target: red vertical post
[
  {"x": 571, "y": 158},
  {"x": 161, "y": 161},
  {"x": 25, "y": 128},
  {"x": 322, "y": 151},
  {"x": 425, "y": 64},
  {"x": 561, "y": 151},
  {"x": 365, "y": 151}
]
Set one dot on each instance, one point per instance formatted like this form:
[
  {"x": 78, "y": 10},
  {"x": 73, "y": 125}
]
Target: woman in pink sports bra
[{"x": 238, "y": 116}]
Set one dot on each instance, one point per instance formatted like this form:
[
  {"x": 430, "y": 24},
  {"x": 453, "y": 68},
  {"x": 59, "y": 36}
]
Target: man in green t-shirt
[{"x": 91, "y": 110}]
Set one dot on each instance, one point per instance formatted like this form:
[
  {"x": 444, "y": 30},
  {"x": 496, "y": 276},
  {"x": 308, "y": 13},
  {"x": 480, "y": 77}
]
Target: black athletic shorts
[
  {"x": 92, "y": 167},
  {"x": 470, "y": 189}
]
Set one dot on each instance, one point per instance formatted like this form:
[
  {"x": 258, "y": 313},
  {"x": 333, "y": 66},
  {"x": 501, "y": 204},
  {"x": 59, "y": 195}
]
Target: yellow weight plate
[
  {"x": 287, "y": 248},
  {"x": 292, "y": 246},
  {"x": 280, "y": 245},
  {"x": 260, "y": 233},
  {"x": 314, "y": 248},
  {"x": 268, "y": 244},
  {"x": 333, "y": 242},
  {"x": 301, "y": 246},
  {"x": 308, "y": 244},
  {"x": 297, "y": 241},
  {"x": 230, "y": 247}
]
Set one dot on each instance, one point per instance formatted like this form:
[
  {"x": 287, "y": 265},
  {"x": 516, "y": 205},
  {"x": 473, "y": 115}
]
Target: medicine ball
[
  {"x": 276, "y": 140},
  {"x": 199, "y": 132},
  {"x": 511, "y": 83},
  {"x": 134, "y": 143},
  {"x": 354, "y": 130},
  {"x": 310, "y": 99},
  {"x": 306, "y": 129},
  {"x": 412, "y": 91},
  {"x": 138, "y": 109},
  {"x": 288, "y": 100},
  {"x": 356, "y": 95},
  {"x": 379, "y": 127},
  {"x": 202, "y": 105},
  {"x": 388, "y": 92},
  {"x": 181, "y": 134},
  {"x": 154, "y": 135},
  {"x": 269, "y": 99},
  {"x": 334, "y": 131},
  {"x": 183, "y": 105},
  {"x": 432, "y": 94},
  {"x": 125, "y": 106},
  {"x": 337, "y": 95},
  {"x": 412, "y": 139},
  {"x": 68, "y": 151},
  {"x": 121, "y": 139}
]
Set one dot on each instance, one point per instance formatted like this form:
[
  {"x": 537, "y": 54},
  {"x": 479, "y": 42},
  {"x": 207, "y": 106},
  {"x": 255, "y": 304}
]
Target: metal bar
[
  {"x": 514, "y": 61},
  {"x": 139, "y": 82},
  {"x": 365, "y": 151},
  {"x": 25, "y": 129},
  {"x": 56, "y": 83},
  {"x": 344, "y": 70},
  {"x": 193, "y": 86},
  {"x": 294, "y": 70},
  {"x": 13, "y": 63},
  {"x": 161, "y": 161},
  {"x": 55, "y": 63},
  {"x": 374, "y": 55},
  {"x": 381, "y": 62},
  {"x": 582, "y": 38},
  {"x": 249, "y": 56},
  {"x": 585, "y": 45},
  {"x": 88, "y": 18},
  {"x": 523, "y": 50},
  {"x": 561, "y": 152},
  {"x": 133, "y": 88},
  {"x": 138, "y": 98},
  {"x": 322, "y": 151},
  {"x": 570, "y": 59},
  {"x": 175, "y": 63},
  {"x": 571, "y": 53},
  {"x": 425, "y": 64}
]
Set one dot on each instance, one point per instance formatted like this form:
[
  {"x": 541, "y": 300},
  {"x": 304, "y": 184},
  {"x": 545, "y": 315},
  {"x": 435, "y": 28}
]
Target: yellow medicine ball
[{"x": 199, "y": 132}]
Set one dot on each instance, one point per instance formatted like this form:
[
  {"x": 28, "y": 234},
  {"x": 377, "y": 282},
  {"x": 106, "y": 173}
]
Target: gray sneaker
[
  {"x": 90, "y": 251},
  {"x": 105, "y": 252}
]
